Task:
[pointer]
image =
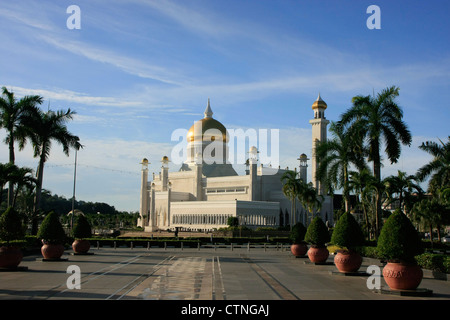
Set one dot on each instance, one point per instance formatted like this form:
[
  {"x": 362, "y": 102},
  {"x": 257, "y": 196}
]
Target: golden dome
[
  {"x": 165, "y": 159},
  {"x": 319, "y": 103},
  {"x": 210, "y": 128},
  {"x": 211, "y": 125}
]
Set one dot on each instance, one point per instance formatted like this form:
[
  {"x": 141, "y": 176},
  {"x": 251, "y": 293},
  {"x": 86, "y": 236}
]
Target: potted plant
[
  {"x": 317, "y": 236},
  {"x": 81, "y": 231},
  {"x": 52, "y": 236},
  {"x": 12, "y": 235},
  {"x": 347, "y": 236},
  {"x": 398, "y": 244},
  {"x": 297, "y": 235}
]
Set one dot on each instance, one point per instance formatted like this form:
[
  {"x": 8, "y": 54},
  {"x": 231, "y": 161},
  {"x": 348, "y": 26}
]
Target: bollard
[
  {"x": 198, "y": 246},
  {"x": 115, "y": 245},
  {"x": 165, "y": 246},
  {"x": 232, "y": 246},
  {"x": 248, "y": 246},
  {"x": 98, "y": 245},
  {"x": 131, "y": 245},
  {"x": 181, "y": 246},
  {"x": 264, "y": 247},
  {"x": 148, "y": 245}
]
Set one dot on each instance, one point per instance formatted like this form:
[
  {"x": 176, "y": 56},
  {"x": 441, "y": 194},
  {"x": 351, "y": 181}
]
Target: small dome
[
  {"x": 253, "y": 150},
  {"x": 165, "y": 159},
  {"x": 303, "y": 156},
  {"x": 319, "y": 103},
  {"x": 144, "y": 161}
]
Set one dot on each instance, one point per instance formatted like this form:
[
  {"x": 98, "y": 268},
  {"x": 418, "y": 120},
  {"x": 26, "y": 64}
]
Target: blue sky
[{"x": 138, "y": 70}]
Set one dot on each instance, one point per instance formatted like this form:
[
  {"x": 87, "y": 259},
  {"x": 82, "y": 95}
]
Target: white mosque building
[{"x": 204, "y": 192}]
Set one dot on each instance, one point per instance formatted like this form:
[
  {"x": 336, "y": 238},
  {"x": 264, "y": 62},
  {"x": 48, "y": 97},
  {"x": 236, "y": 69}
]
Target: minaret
[
  {"x": 144, "y": 207},
  {"x": 253, "y": 162},
  {"x": 165, "y": 173},
  {"x": 303, "y": 167},
  {"x": 319, "y": 133}
]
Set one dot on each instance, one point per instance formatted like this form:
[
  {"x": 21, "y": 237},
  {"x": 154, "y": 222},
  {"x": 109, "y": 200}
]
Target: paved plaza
[{"x": 211, "y": 273}]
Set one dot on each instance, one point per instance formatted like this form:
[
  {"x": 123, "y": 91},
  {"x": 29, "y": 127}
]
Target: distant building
[{"x": 203, "y": 194}]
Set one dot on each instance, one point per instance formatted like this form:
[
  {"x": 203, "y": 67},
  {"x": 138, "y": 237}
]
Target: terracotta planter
[
  {"x": 10, "y": 257},
  {"x": 318, "y": 254},
  {"x": 299, "y": 249},
  {"x": 402, "y": 276},
  {"x": 52, "y": 251},
  {"x": 81, "y": 246},
  {"x": 347, "y": 261}
]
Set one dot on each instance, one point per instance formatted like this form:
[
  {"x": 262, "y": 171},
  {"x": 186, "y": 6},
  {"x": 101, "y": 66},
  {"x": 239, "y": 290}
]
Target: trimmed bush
[
  {"x": 433, "y": 261},
  {"x": 347, "y": 233},
  {"x": 298, "y": 232},
  {"x": 317, "y": 233},
  {"x": 51, "y": 230},
  {"x": 82, "y": 228},
  {"x": 11, "y": 226},
  {"x": 399, "y": 239}
]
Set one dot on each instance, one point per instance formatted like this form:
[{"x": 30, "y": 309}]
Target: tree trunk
[
  {"x": 377, "y": 175},
  {"x": 37, "y": 198},
  {"x": 12, "y": 160},
  {"x": 431, "y": 235}
]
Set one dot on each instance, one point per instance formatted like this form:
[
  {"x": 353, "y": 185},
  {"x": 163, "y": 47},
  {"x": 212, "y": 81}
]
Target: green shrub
[
  {"x": 51, "y": 229},
  {"x": 369, "y": 252},
  {"x": 433, "y": 261},
  {"x": 82, "y": 228},
  {"x": 347, "y": 233},
  {"x": 298, "y": 232},
  {"x": 11, "y": 226},
  {"x": 399, "y": 239},
  {"x": 317, "y": 233}
]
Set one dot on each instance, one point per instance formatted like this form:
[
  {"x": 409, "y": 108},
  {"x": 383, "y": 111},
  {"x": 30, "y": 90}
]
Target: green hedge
[{"x": 434, "y": 261}]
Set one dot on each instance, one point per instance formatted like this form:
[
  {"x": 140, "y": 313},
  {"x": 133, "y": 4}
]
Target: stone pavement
[{"x": 219, "y": 273}]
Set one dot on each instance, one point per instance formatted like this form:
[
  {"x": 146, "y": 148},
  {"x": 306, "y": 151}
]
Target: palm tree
[
  {"x": 439, "y": 167},
  {"x": 336, "y": 156},
  {"x": 46, "y": 127},
  {"x": 379, "y": 120},
  {"x": 310, "y": 198},
  {"x": 291, "y": 188},
  {"x": 361, "y": 182},
  {"x": 402, "y": 188},
  {"x": 13, "y": 114},
  {"x": 23, "y": 178},
  {"x": 430, "y": 213},
  {"x": 6, "y": 170}
]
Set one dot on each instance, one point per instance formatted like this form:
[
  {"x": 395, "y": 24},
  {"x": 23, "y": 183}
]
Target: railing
[{"x": 279, "y": 246}]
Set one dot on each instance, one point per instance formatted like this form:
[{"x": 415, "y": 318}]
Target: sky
[{"x": 137, "y": 71}]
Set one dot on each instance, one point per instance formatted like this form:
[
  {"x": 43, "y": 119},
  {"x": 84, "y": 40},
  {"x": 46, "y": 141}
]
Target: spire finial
[{"x": 208, "y": 111}]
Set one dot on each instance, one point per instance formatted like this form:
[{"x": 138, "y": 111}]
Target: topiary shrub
[
  {"x": 347, "y": 233},
  {"x": 11, "y": 227},
  {"x": 297, "y": 234},
  {"x": 317, "y": 233},
  {"x": 51, "y": 230},
  {"x": 399, "y": 240},
  {"x": 82, "y": 228}
]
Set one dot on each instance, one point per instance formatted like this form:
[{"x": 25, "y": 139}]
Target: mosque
[{"x": 206, "y": 190}]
